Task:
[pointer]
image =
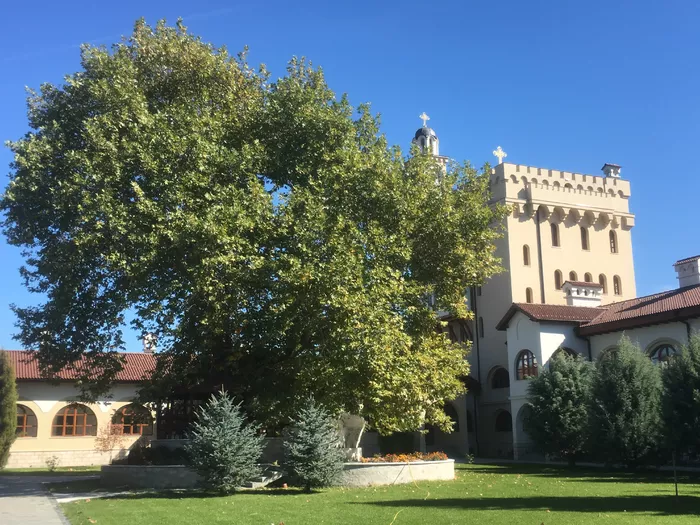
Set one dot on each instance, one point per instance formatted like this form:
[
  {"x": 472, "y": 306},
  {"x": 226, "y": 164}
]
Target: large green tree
[
  {"x": 681, "y": 400},
  {"x": 8, "y": 407},
  {"x": 265, "y": 232},
  {"x": 559, "y": 397},
  {"x": 626, "y": 424}
]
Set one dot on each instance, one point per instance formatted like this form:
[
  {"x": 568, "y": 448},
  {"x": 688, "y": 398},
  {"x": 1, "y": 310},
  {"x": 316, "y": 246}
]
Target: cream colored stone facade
[{"x": 45, "y": 401}]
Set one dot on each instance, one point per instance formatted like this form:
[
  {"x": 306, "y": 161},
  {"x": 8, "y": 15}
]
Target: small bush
[
  {"x": 52, "y": 463},
  {"x": 413, "y": 456},
  {"x": 223, "y": 448},
  {"x": 312, "y": 455}
]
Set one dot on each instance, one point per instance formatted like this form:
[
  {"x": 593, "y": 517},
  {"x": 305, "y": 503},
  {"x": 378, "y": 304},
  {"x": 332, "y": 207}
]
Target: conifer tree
[
  {"x": 626, "y": 406},
  {"x": 223, "y": 448},
  {"x": 681, "y": 400},
  {"x": 312, "y": 455},
  {"x": 559, "y": 398},
  {"x": 8, "y": 407}
]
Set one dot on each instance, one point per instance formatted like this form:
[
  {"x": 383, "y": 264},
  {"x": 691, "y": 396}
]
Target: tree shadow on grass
[
  {"x": 205, "y": 494},
  {"x": 588, "y": 474},
  {"x": 660, "y": 505}
]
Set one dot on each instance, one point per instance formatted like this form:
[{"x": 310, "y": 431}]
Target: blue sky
[{"x": 558, "y": 84}]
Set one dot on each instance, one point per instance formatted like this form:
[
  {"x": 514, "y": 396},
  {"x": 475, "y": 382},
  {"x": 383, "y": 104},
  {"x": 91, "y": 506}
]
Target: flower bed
[{"x": 406, "y": 458}]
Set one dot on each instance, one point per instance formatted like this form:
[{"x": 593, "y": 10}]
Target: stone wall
[
  {"x": 148, "y": 476},
  {"x": 66, "y": 458},
  {"x": 366, "y": 474}
]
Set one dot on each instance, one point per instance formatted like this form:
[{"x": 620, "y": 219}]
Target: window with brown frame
[
  {"x": 555, "y": 234},
  {"x": 526, "y": 255},
  {"x": 73, "y": 421},
  {"x": 134, "y": 420},
  {"x": 26, "y": 422},
  {"x": 528, "y": 295},
  {"x": 525, "y": 365},
  {"x": 584, "y": 238},
  {"x": 588, "y": 278},
  {"x": 603, "y": 282},
  {"x": 557, "y": 280},
  {"x": 572, "y": 276},
  {"x": 617, "y": 285},
  {"x": 613, "y": 241}
]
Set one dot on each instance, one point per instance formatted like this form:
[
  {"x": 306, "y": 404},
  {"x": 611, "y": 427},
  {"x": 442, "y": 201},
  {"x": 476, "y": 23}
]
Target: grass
[
  {"x": 488, "y": 495},
  {"x": 59, "y": 471}
]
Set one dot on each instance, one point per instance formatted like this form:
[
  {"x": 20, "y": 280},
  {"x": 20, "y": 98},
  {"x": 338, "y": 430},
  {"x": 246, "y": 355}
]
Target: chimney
[
  {"x": 583, "y": 294},
  {"x": 688, "y": 271},
  {"x": 149, "y": 343},
  {"x": 611, "y": 170}
]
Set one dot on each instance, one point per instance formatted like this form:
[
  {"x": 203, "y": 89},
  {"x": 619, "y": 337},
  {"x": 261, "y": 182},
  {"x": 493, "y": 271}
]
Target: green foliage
[
  {"x": 312, "y": 454},
  {"x": 8, "y": 407},
  {"x": 626, "y": 406},
  {"x": 265, "y": 232},
  {"x": 222, "y": 447},
  {"x": 681, "y": 400},
  {"x": 559, "y": 398}
]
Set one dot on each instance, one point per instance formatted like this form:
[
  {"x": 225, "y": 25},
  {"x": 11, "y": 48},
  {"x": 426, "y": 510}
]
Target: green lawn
[{"x": 509, "y": 495}]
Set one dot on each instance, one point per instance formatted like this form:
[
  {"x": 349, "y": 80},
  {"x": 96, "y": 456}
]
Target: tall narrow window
[
  {"x": 528, "y": 295},
  {"x": 613, "y": 242},
  {"x": 526, "y": 255},
  {"x": 555, "y": 234},
  {"x": 584, "y": 238},
  {"x": 478, "y": 290},
  {"x": 572, "y": 276},
  {"x": 588, "y": 278},
  {"x": 603, "y": 282},
  {"x": 557, "y": 280},
  {"x": 617, "y": 285},
  {"x": 481, "y": 327},
  {"x": 26, "y": 422}
]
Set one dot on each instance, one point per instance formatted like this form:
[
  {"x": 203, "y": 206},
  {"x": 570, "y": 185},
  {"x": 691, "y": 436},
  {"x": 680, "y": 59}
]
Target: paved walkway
[{"x": 25, "y": 501}]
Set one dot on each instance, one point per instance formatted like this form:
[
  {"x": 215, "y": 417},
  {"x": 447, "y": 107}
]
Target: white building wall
[{"x": 646, "y": 337}]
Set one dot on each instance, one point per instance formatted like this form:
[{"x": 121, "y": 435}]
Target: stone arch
[{"x": 498, "y": 378}]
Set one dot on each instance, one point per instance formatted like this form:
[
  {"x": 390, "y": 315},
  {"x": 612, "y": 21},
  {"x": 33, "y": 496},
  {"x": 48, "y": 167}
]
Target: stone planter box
[
  {"x": 364, "y": 474},
  {"x": 355, "y": 475}
]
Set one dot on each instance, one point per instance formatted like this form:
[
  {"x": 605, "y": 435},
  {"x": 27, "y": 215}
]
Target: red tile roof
[
  {"x": 581, "y": 283},
  {"x": 687, "y": 259},
  {"x": 551, "y": 312},
  {"x": 673, "y": 305},
  {"x": 137, "y": 366}
]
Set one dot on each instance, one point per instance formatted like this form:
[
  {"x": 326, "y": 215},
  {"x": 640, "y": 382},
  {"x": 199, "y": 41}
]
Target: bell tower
[{"x": 427, "y": 141}]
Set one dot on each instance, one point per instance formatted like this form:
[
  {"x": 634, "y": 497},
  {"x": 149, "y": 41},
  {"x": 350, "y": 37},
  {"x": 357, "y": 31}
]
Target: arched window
[
  {"x": 74, "y": 420},
  {"x": 557, "y": 280},
  {"x": 134, "y": 419},
  {"x": 500, "y": 378},
  {"x": 584, "y": 238},
  {"x": 452, "y": 414},
  {"x": 662, "y": 353},
  {"x": 525, "y": 365},
  {"x": 603, "y": 282},
  {"x": 564, "y": 350},
  {"x": 470, "y": 422},
  {"x": 588, "y": 277},
  {"x": 526, "y": 255},
  {"x": 26, "y": 422},
  {"x": 617, "y": 285},
  {"x": 613, "y": 242},
  {"x": 481, "y": 327},
  {"x": 555, "y": 234},
  {"x": 572, "y": 276},
  {"x": 528, "y": 295},
  {"x": 504, "y": 423}
]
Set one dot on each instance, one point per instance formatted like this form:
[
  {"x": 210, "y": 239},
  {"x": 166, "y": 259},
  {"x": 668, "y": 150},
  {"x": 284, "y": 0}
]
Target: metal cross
[
  {"x": 425, "y": 118},
  {"x": 498, "y": 152}
]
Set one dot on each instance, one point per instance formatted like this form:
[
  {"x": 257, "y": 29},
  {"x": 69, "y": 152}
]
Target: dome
[{"x": 425, "y": 131}]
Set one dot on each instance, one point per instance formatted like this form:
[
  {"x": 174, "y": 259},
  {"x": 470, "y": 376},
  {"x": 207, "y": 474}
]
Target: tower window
[
  {"x": 557, "y": 280},
  {"x": 555, "y": 234},
  {"x": 525, "y": 365},
  {"x": 573, "y": 276},
  {"x": 481, "y": 327},
  {"x": 584, "y": 238},
  {"x": 478, "y": 290},
  {"x": 617, "y": 285},
  {"x": 528, "y": 295},
  {"x": 613, "y": 242},
  {"x": 603, "y": 282},
  {"x": 588, "y": 278},
  {"x": 526, "y": 255}
]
